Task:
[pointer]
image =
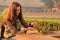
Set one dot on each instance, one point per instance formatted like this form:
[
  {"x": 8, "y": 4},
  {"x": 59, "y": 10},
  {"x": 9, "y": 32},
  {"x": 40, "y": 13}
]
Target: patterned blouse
[{"x": 10, "y": 30}]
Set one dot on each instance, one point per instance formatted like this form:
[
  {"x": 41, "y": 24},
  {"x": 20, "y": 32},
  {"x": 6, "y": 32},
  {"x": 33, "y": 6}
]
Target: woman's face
[{"x": 18, "y": 10}]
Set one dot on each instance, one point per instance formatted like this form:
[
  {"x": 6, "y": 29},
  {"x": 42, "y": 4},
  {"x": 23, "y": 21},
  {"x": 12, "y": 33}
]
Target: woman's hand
[{"x": 30, "y": 28}]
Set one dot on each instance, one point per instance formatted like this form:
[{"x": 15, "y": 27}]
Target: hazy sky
[{"x": 29, "y": 3}]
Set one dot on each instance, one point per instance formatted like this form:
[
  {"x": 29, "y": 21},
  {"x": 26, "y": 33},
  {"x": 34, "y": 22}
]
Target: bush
[{"x": 46, "y": 25}]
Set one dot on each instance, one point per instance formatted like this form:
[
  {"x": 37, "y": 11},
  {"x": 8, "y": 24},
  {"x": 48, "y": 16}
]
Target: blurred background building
[{"x": 35, "y": 7}]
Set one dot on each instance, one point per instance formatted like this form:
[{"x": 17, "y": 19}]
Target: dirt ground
[{"x": 42, "y": 15}]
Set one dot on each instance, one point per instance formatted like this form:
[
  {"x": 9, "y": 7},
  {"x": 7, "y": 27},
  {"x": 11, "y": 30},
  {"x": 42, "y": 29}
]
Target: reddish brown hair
[{"x": 11, "y": 13}]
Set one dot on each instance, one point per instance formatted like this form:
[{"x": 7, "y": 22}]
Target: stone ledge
[{"x": 34, "y": 37}]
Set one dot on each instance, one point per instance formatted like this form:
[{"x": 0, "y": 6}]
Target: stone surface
[{"x": 34, "y": 37}]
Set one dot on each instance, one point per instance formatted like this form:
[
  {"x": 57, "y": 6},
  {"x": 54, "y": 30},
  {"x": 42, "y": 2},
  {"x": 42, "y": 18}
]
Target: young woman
[{"x": 13, "y": 20}]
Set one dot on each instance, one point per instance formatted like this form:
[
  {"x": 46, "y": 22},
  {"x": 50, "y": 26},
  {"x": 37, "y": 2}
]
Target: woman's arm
[{"x": 23, "y": 22}]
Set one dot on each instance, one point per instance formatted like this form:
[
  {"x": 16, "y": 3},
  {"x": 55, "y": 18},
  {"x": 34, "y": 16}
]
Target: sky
[{"x": 25, "y": 3}]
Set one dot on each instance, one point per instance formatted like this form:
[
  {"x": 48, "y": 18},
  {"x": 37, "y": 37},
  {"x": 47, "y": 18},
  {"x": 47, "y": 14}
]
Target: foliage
[
  {"x": 48, "y": 3},
  {"x": 46, "y": 24}
]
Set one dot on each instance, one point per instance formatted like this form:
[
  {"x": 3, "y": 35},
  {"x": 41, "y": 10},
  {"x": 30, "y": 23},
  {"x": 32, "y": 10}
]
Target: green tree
[{"x": 48, "y": 3}]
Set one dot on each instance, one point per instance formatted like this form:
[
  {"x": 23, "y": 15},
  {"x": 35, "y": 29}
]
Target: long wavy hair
[{"x": 11, "y": 13}]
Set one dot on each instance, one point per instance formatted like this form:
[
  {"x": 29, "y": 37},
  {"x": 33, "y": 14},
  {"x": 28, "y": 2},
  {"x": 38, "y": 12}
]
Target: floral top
[{"x": 11, "y": 30}]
